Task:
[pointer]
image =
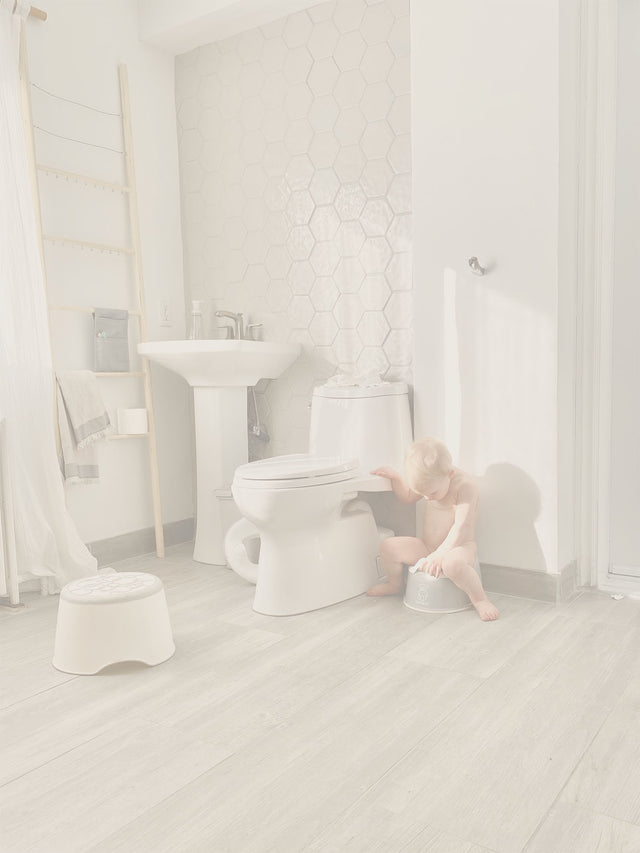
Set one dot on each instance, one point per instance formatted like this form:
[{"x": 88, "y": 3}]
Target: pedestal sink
[{"x": 219, "y": 372}]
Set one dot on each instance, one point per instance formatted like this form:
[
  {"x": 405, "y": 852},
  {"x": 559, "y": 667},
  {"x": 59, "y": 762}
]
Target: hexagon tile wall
[{"x": 295, "y": 158}]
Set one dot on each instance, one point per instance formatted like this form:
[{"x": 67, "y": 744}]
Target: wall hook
[{"x": 476, "y": 268}]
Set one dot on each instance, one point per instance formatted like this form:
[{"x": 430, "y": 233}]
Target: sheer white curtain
[{"x": 47, "y": 542}]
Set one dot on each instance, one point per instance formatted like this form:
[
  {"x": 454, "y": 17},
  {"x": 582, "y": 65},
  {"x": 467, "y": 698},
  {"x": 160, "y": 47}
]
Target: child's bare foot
[
  {"x": 487, "y": 611},
  {"x": 385, "y": 589}
]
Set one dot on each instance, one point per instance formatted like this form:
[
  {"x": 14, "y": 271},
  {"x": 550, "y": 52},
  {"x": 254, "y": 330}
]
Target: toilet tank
[{"x": 371, "y": 424}]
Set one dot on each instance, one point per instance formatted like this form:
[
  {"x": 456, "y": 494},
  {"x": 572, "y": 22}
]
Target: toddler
[{"x": 447, "y": 546}]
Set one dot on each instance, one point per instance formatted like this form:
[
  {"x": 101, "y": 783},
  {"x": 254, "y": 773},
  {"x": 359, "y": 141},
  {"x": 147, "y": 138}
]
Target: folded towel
[
  {"x": 111, "y": 327},
  {"x": 82, "y": 420}
]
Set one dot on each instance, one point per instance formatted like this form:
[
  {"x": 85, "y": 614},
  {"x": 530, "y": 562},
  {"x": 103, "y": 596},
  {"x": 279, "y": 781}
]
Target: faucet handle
[{"x": 251, "y": 331}]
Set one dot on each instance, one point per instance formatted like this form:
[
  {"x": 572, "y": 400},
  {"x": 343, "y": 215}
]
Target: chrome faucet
[{"x": 238, "y": 323}]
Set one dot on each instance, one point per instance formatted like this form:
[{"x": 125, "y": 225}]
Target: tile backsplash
[{"x": 295, "y": 162}]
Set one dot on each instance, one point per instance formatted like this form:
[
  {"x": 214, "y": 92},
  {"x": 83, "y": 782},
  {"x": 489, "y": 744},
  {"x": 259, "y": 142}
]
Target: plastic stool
[
  {"x": 435, "y": 595},
  {"x": 109, "y": 619}
]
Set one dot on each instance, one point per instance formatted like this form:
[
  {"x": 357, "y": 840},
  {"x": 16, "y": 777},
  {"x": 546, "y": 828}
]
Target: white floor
[{"x": 361, "y": 727}]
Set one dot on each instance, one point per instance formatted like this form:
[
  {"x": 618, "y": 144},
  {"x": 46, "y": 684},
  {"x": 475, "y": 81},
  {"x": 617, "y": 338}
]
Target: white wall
[
  {"x": 76, "y": 54},
  {"x": 625, "y": 448},
  {"x": 486, "y": 142}
]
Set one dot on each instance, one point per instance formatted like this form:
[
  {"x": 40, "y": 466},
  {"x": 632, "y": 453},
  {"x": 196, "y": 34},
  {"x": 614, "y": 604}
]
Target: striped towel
[{"x": 83, "y": 420}]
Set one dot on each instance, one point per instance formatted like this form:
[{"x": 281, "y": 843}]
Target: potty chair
[{"x": 427, "y": 594}]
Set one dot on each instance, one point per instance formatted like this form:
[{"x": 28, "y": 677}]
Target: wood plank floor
[{"x": 361, "y": 727}]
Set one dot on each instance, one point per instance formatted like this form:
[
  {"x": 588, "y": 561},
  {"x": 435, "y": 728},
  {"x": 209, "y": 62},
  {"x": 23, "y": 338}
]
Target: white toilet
[{"x": 318, "y": 543}]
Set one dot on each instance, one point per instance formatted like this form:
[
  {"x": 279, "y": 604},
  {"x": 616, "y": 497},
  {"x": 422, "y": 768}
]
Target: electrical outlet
[{"x": 164, "y": 311}]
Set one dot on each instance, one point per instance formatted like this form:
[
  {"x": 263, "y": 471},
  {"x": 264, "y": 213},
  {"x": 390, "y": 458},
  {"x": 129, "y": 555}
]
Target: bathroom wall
[
  {"x": 295, "y": 167},
  {"x": 75, "y": 54},
  {"x": 494, "y": 359}
]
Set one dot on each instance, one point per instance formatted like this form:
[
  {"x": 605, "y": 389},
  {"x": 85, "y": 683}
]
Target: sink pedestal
[{"x": 221, "y": 445}]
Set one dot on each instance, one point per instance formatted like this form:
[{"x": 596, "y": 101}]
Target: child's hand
[
  {"x": 385, "y": 471},
  {"x": 431, "y": 565}
]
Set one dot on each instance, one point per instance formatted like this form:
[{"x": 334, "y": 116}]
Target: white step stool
[{"x": 111, "y": 618}]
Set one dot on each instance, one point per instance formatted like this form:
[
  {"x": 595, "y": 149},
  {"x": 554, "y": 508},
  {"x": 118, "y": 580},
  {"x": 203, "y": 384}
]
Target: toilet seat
[{"x": 296, "y": 470}]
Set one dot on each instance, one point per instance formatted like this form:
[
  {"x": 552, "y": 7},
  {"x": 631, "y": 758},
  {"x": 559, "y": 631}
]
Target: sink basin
[{"x": 222, "y": 363}]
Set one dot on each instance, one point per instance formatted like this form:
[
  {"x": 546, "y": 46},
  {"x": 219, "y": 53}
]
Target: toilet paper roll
[{"x": 132, "y": 421}]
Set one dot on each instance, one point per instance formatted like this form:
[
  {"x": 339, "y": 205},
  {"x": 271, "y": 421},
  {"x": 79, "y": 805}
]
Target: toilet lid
[{"x": 297, "y": 469}]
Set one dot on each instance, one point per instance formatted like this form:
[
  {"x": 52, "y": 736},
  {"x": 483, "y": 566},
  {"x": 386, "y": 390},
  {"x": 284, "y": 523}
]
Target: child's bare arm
[
  {"x": 464, "y": 522},
  {"x": 400, "y": 488}
]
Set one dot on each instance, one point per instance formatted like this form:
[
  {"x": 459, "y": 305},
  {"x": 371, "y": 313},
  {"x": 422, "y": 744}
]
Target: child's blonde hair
[{"x": 425, "y": 460}]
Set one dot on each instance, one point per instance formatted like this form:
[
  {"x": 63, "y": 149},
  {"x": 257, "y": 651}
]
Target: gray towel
[
  {"x": 82, "y": 420},
  {"x": 111, "y": 340}
]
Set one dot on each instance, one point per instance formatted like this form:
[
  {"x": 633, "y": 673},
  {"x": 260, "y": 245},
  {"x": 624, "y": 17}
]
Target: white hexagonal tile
[
  {"x": 255, "y": 247},
  {"x": 400, "y": 37},
  {"x": 193, "y": 208},
  {"x": 323, "y": 150},
  {"x": 298, "y": 100},
  {"x": 212, "y": 188},
  {"x": 277, "y": 262},
  {"x": 234, "y": 232},
  {"x": 347, "y": 346},
  {"x": 323, "y": 328},
  {"x": 214, "y": 252},
  {"x": 274, "y": 90},
  {"x": 211, "y": 156},
  {"x": 274, "y": 28},
  {"x": 187, "y": 81},
  {"x": 233, "y": 199},
  {"x": 274, "y": 125},
  {"x": 210, "y": 121},
  {"x": 348, "y": 15},
  {"x": 399, "y": 271},
  {"x": 322, "y": 12},
  {"x": 189, "y": 113},
  {"x": 252, "y": 112},
  {"x": 324, "y": 186},
  {"x": 301, "y": 277},
  {"x": 190, "y": 145},
  {"x": 208, "y": 59},
  {"x": 299, "y": 172},
  {"x": 399, "y": 309},
  {"x": 324, "y": 223},
  {"x": 251, "y": 79},
  {"x": 300, "y": 312},
  {"x": 349, "y": 89},
  {"x": 275, "y": 159},
  {"x": 276, "y": 193},
  {"x": 278, "y": 295},
  {"x": 229, "y": 102},
  {"x": 323, "y": 113},
  {"x": 323, "y": 76},
  {"x": 349, "y": 51},
  {"x": 297, "y": 65},
  {"x": 373, "y": 328},
  {"x": 400, "y": 114},
  {"x": 276, "y": 228},
  {"x": 324, "y": 293},
  {"x": 400, "y": 8},
  {"x": 349, "y": 163},
  {"x": 229, "y": 68},
  {"x": 350, "y": 238},
  {"x": 256, "y": 281},
  {"x": 376, "y": 177},
  {"x": 376, "y": 217},
  {"x": 375, "y": 254},
  {"x": 350, "y": 201},
  {"x": 209, "y": 91},
  {"x": 300, "y": 207},
  {"x": 374, "y": 292},
  {"x": 399, "y": 154},
  {"x": 300, "y": 242},
  {"x": 191, "y": 177},
  {"x": 349, "y": 126},
  {"x": 377, "y": 100},
  {"x": 372, "y": 360},
  {"x": 254, "y": 181},
  {"x": 250, "y": 45},
  {"x": 253, "y": 146},
  {"x": 229, "y": 135},
  {"x": 376, "y": 63},
  {"x": 254, "y": 214},
  {"x": 298, "y": 136},
  {"x": 274, "y": 54},
  {"x": 376, "y": 139},
  {"x": 235, "y": 265},
  {"x": 233, "y": 167},
  {"x": 297, "y": 29},
  {"x": 348, "y": 310},
  {"x": 398, "y": 347},
  {"x": 377, "y": 23},
  {"x": 399, "y": 194},
  {"x": 399, "y": 77},
  {"x": 322, "y": 41},
  {"x": 400, "y": 233},
  {"x": 324, "y": 258}
]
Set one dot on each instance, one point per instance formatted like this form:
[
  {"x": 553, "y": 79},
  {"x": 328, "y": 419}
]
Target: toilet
[{"x": 317, "y": 539}]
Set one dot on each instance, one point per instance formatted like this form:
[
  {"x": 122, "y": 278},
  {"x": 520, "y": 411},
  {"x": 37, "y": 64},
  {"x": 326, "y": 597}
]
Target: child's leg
[
  {"x": 395, "y": 552},
  {"x": 457, "y": 565}
]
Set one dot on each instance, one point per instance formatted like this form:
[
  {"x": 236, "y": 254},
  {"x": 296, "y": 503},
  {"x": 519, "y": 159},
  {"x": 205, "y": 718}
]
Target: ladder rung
[
  {"x": 100, "y": 247},
  {"x": 84, "y": 309},
  {"x": 127, "y": 435},
  {"x": 85, "y": 179},
  {"x": 122, "y": 373}
]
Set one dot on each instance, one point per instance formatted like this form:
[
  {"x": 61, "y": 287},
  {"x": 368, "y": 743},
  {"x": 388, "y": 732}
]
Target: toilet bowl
[{"x": 318, "y": 544}]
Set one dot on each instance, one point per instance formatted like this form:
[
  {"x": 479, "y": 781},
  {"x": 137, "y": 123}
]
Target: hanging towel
[
  {"x": 83, "y": 420},
  {"x": 111, "y": 327}
]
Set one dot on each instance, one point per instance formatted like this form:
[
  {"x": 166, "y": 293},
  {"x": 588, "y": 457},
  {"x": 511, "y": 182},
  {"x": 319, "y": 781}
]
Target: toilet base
[{"x": 300, "y": 570}]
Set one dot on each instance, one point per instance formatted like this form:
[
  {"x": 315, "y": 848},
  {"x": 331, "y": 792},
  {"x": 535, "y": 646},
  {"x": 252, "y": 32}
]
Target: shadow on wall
[{"x": 509, "y": 506}]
